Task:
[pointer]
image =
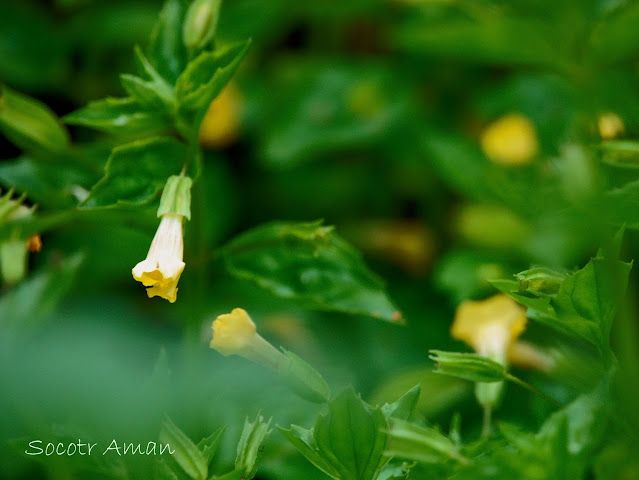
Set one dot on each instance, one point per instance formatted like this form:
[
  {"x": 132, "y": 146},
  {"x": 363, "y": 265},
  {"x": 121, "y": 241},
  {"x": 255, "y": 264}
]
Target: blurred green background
[{"x": 366, "y": 113}]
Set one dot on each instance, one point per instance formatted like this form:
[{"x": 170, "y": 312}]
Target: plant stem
[
  {"x": 487, "y": 422},
  {"x": 532, "y": 389}
]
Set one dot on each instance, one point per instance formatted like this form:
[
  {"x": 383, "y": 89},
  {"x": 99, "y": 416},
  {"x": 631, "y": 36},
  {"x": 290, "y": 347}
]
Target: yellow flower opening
[
  {"x": 163, "y": 265},
  {"x": 610, "y": 126},
  {"x": 233, "y": 333},
  {"x": 510, "y": 141},
  {"x": 221, "y": 124},
  {"x": 489, "y": 326}
]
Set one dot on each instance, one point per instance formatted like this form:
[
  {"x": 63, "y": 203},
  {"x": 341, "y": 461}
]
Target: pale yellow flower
[
  {"x": 489, "y": 326},
  {"x": 510, "y": 140},
  {"x": 610, "y": 126},
  {"x": 221, "y": 124},
  {"x": 235, "y": 334},
  {"x": 163, "y": 265}
]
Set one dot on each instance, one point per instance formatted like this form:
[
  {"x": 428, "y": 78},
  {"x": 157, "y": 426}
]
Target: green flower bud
[
  {"x": 540, "y": 281},
  {"x": 468, "y": 366},
  {"x": 200, "y": 23}
]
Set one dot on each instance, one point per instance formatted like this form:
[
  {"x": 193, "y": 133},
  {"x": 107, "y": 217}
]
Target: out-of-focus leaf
[
  {"x": 499, "y": 40},
  {"x": 31, "y": 302},
  {"x": 465, "y": 274},
  {"x": 112, "y": 24},
  {"x": 30, "y": 124},
  {"x": 526, "y": 190},
  {"x": 53, "y": 184},
  {"x": 137, "y": 171},
  {"x": 310, "y": 263},
  {"x": 204, "y": 78},
  {"x": 166, "y": 51},
  {"x": 186, "y": 454},
  {"x": 348, "y": 442},
  {"x": 325, "y": 108},
  {"x": 615, "y": 38},
  {"x": 123, "y": 116},
  {"x": 34, "y": 53}
]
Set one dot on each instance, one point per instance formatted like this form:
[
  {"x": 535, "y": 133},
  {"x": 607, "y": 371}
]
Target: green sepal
[
  {"x": 249, "y": 447},
  {"x": 304, "y": 379},
  {"x": 176, "y": 197}
]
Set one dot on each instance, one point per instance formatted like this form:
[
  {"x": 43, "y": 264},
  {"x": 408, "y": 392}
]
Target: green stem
[
  {"x": 487, "y": 421},
  {"x": 532, "y": 389}
]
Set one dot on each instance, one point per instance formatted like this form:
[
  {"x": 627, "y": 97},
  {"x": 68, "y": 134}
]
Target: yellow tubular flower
[
  {"x": 235, "y": 334},
  {"x": 510, "y": 141},
  {"x": 221, "y": 124},
  {"x": 489, "y": 326},
  {"x": 163, "y": 265}
]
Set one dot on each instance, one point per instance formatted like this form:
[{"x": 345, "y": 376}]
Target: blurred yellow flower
[
  {"x": 510, "y": 140},
  {"x": 610, "y": 125},
  {"x": 233, "y": 333},
  {"x": 221, "y": 124},
  {"x": 489, "y": 326},
  {"x": 163, "y": 265}
]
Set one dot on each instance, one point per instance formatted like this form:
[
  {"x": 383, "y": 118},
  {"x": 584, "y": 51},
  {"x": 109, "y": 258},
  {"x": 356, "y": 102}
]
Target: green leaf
[
  {"x": 51, "y": 183},
  {"x": 119, "y": 116},
  {"x": 620, "y": 206},
  {"x": 331, "y": 107},
  {"x": 30, "y": 124},
  {"x": 586, "y": 303},
  {"x": 166, "y": 51},
  {"x": 404, "y": 407},
  {"x": 304, "y": 441},
  {"x": 615, "y": 38},
  {"x": 250, "y": 446},
  {"x": 421, "y": 444},
  {"x": 562, "y": 449},
  {"x": 502, "y": 40},
  {"x": 203, "y": 79},
  {"x": 209, "y": 445},
  {"x": 468, "y": 366},
  {"x": 23, "y": 308},
  {"x": 137, "y": 171},
  {"x": 186, "y": 454},
  {"x": 346, "y": 443},
  {"x": 309, "y": 263},
  {"x": 146, "y": 93}
]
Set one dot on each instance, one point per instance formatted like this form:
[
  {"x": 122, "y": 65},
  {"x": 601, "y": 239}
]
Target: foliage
[{"x": 456, "y": 150}]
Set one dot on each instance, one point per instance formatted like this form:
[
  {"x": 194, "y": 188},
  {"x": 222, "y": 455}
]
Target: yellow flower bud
[
  {"x": 221, "y": 124},
  {"x": 510, "y": 141},
  {"x": 610, "y": 126},
  {"x": 163, "y": 265},
  {"x": 489, "y": 326}
]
